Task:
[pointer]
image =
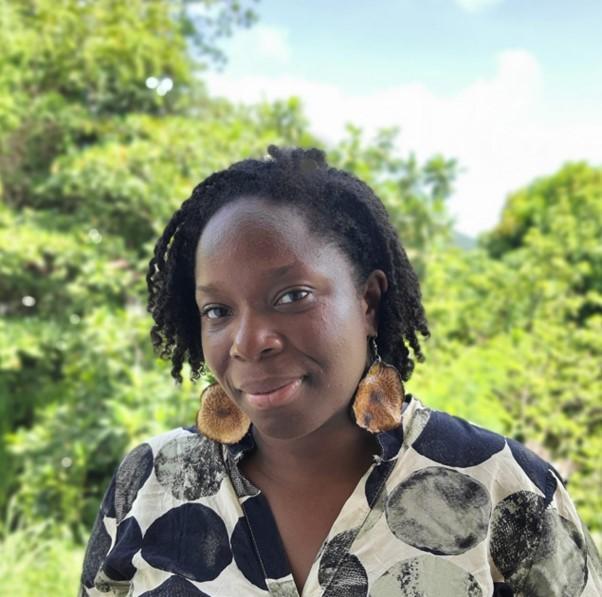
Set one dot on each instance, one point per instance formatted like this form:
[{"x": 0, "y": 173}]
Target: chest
[{"x": 303, "y": 522}]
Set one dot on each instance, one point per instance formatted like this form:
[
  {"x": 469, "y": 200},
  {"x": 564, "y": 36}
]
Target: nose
[{"x": 255, "y": 338}]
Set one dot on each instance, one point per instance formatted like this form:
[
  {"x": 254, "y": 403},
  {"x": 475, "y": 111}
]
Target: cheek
[
  {"x": 216, "y": 352},
  {"x": 340, "y": 329}
]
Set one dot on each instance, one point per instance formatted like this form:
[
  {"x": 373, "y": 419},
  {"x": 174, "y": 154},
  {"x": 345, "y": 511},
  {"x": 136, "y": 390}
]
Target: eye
[
  {"x": 292, "y": 296},
  {"x": 214, "y": 312}
]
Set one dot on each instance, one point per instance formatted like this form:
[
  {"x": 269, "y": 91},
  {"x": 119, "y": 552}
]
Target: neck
[{"x": 337, "y": 450}]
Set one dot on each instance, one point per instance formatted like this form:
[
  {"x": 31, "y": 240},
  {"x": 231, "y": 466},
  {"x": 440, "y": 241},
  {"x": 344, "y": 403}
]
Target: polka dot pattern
[
  {"x": 439, "y": 510},
  {"x": 190, "y": 540},
  {"x": 447, "y": 508},
  {"x": 561, "y": 547},
  {"x": 284, "y": 588},
  {"x": 454, "y": 442},
  {"x": 98, "y": 547},
  {"x": 425, "y": 575},
  {"x": 107, "y": 506},
  {"x": 593, "y": 557},
  {"x": 244, "y": 556},
  {"x": 516, "y": 523},
  {"x": 131, "y": 476},
  {"x": 524, "y": 527},
  {"x": 334, "y": 552},
  {"x": 376, "y": 480},
  {"x": 189, "y": 467},
  {"x": 118, "y": 564},
  {"x": 536, "y": 469},
  {"x": 175, "y": 587},
  {"x": 266, "y": 537},
  {"x": 351, "y": 579}
]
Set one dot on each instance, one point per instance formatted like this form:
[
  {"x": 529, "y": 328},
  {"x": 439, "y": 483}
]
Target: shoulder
[
  {"x": 150, "y": 489},
  {"x": 495, "y": 488},
  {"x": 181, "y": 441},
  {"x": 454, "y": 442},
  {"x": 181, "y": 463},
  {"x": 157, "y": 442}
]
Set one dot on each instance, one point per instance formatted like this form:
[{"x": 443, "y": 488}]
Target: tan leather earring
[
  {"x": 379, "y": 396},
  {"x": 219, "y": 418}
]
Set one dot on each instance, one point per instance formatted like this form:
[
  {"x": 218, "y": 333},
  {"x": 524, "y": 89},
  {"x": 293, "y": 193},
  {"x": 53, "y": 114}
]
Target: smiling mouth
[{"x": 279, "y": 396}]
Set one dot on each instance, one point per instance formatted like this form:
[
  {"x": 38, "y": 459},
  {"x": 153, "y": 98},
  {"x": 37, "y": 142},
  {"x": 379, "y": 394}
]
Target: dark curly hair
[{"x": 336, "y": 205}]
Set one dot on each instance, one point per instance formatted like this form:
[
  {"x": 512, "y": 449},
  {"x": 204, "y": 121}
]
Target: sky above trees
[{"x": 511, "y": 89}]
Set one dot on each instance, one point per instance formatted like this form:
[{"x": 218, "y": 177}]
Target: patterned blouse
[{"x": 447, "y": 509}]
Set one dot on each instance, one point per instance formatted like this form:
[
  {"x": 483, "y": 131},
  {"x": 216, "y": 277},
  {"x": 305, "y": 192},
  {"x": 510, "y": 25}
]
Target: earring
[
  {"x": 219, "y": 418},
  {"x": 379, "y": 396}
]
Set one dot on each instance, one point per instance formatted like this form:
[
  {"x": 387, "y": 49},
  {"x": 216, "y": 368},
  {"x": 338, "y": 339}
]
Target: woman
[{"x": 309, "y": 471}]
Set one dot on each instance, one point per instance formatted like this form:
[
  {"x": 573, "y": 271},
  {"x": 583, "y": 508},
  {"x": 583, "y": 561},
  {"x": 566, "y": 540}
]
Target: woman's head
[
  {"x": 337, "y": 210},
  {"x": 283, "y": 322}
]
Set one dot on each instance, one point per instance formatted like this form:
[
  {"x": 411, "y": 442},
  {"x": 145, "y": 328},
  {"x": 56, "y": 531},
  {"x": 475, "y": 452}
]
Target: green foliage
[
  {"x": 564, "y": 207},
  {"x": 38, "y": 559},
  {"x": 71, "y": 67},
  {"x": 112, "y": 393}
]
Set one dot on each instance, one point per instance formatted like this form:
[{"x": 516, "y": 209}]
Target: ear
[{"x": 374, "y": 288}]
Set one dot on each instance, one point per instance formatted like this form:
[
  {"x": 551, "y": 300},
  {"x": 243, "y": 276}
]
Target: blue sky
[{"x": 511, "y": 88}]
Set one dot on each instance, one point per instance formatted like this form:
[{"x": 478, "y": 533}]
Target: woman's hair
[{"x": 336, "y": 206}]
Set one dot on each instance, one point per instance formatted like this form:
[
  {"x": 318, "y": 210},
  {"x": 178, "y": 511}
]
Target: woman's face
[{"x": 283, "y": 325}]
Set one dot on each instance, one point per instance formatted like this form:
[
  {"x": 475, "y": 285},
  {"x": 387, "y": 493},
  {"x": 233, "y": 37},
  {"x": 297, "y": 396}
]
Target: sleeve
[
  {"x": 101, "y": 540},
  {"x": 564, "y": 559},
  {"x": 116, "y": 537}
]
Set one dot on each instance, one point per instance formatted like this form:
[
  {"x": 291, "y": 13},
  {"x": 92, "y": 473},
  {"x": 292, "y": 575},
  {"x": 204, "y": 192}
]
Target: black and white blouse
[{"x": 447, "y": 509}]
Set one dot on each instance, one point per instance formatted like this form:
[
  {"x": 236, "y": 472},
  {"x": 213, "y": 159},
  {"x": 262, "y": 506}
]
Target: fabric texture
[{"x": 446, "y": 509}]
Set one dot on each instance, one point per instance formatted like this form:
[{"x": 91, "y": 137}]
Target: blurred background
[{"x": 477, "y": 122}]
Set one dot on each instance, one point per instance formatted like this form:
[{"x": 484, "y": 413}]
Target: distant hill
[{"x": 464, "y": 241}]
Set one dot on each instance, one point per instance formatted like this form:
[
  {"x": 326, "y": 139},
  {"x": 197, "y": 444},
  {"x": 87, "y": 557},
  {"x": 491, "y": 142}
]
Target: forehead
[
  {"x": 259, "y": 222},
  {"x": 261, "y": 234}
]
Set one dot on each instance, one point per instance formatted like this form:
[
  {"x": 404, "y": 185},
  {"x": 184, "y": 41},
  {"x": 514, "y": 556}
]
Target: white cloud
[
  {"x": 200, "y": 9},
  {"x": 477, "y": 5},
  {"x": 494, "y": 127},
  {"x": 262, "y": 42}
]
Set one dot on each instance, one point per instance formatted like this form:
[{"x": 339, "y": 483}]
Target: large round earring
[
  {"x": 379, "y": 396},
  {"x": 219, "y": 418}
]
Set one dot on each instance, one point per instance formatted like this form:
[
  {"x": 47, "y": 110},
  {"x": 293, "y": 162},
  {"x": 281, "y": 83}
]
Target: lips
[{"x": 271, "y": 393}]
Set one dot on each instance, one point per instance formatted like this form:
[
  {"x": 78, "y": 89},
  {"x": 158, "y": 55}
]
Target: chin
[
  {"x": 286, "y": 427},
  {"x": 293, "y": 426}
]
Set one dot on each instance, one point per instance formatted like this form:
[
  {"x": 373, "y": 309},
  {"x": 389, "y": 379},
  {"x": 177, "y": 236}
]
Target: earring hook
[{"x": 374, "y": 347}]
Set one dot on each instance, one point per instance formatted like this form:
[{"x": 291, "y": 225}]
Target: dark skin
[{"x": 281, "y": 305}]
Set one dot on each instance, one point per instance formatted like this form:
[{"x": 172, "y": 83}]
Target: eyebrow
[{"x": 276, "y": 272}]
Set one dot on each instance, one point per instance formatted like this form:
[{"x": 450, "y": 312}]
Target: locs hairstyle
[{"x": 336, "y": 206}]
